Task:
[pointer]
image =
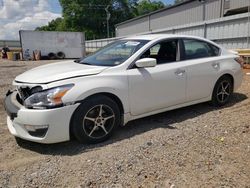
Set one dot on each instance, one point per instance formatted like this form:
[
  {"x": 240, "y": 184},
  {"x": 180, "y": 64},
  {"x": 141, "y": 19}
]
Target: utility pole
[
  {"x": 248, "y": 24},
  {"x": 204, "y": 9},
  {"x": 108, "y": 17},
  {"x": 248, "y": 20},
  {"x": 203, "y": 2}
]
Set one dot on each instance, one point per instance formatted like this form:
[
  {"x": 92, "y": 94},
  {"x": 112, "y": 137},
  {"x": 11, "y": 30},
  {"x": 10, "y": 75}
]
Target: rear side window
[{"x": 195, "y": 49}]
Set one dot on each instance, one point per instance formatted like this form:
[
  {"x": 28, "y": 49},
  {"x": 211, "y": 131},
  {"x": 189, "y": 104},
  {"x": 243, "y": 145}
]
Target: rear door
[{"x": 202, "y": 65}]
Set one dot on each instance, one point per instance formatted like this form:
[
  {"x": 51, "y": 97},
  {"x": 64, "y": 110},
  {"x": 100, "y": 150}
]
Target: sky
[
  {"x": 18, "y": 15},
  {"x": 168, "y": 1}
]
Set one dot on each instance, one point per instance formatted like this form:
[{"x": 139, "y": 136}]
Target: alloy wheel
[
  {"x": 224, "y": 91},
  {"x": 99, "y": 121}
]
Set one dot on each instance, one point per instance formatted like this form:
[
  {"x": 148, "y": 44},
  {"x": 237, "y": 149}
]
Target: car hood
[{"x": 58, "y": 71}]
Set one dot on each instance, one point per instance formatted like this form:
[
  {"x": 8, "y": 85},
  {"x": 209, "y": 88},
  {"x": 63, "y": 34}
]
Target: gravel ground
[{"x": 196, "y": 146}]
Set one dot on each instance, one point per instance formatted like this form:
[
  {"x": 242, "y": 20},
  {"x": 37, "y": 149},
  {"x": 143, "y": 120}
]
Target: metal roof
[{"x": 154, "y": 12}]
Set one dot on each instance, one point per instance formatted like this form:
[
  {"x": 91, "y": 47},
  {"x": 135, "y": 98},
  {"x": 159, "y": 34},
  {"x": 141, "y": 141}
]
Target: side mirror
[{"x": 146, "y": 62}]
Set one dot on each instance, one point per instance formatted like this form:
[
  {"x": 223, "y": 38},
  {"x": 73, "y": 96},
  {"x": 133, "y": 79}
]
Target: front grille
[
  {"x": 25, "y": 92},
  {"x": 18, "y": 98}
]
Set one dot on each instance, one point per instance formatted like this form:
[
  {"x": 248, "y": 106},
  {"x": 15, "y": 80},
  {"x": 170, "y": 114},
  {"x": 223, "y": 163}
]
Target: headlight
[{"x": 48, "y": 98}]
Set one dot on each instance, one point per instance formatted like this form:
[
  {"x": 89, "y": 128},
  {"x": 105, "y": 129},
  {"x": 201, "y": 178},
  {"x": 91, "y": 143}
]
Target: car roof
[
  {"x": 152, "y": 37},
  {"x": 160, "y": 36}
]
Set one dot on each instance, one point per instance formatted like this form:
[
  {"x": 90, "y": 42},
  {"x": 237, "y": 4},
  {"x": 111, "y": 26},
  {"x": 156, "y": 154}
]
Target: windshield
[{"x": 114, "y": 53}]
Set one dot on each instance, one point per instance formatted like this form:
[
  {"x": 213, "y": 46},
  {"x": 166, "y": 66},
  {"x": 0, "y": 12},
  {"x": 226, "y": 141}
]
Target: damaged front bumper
[{"x": 38, "y": 125}]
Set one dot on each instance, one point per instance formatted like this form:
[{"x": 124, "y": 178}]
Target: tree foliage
[
  {"x": 145, "y": 6},
  {"x": 54, "y": 25},
  {"x": 89, "y": 16}
]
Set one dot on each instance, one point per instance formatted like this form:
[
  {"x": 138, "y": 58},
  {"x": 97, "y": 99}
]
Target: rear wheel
[
  {"x": 95, "y": 119},
  {"x": 222, "y": 91}
]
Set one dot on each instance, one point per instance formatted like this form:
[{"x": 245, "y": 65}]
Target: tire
[
  {"x": 222, "y": 92},
  {"x": 60, "y": 55},
  {"x": 52, "y": 56},
  {"x": 95, "y": 119}
]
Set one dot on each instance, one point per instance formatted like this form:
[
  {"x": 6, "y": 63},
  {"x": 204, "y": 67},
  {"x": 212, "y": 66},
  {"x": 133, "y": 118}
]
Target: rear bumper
[
  {"x": 238, "y": 78},
  {"x": 56, "y": 121}
]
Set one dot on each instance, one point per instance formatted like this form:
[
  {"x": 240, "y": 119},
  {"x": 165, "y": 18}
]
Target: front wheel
[
  {"x": 222, "y": 91},
  {"x": 95, "y": 119}
]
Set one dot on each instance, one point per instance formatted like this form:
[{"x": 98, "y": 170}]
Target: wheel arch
[
  {"x": 218, "y": 78},
  {"x": 226, "y": 75},
  {"x": 112, "y": 96},
  {"x": 215, "y": 101}
]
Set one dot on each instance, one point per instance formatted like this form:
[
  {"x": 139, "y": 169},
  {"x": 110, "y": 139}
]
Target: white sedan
[{"x": 131, "y": 78}]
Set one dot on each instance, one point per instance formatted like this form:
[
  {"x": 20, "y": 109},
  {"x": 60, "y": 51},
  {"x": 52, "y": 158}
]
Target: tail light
[{"x": 240, "y": 60}]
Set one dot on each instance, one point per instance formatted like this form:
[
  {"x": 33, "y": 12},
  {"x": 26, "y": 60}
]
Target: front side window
[
  {"x": 195, "y": 49},
  {"x": 115, "y": 53},
  {"x": 163, "y": 52}
]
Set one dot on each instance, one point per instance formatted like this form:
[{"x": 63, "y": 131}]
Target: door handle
[
  {"x": 216, "y": 65},
  {"x": 180, "y": 72}
]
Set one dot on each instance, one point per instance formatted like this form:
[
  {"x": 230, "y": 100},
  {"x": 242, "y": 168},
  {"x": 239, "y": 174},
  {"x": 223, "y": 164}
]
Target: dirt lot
[{"x": 197, "y": 146}]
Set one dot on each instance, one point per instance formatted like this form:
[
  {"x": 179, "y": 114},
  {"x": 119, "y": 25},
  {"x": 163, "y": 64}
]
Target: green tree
[
  {"x": 90, "y": 16},
  {"x": 54, "y": 25},
  {"x": 146, "y": 6}
]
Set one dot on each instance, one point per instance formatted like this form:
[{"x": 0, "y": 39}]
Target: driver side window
[{"x": 163, "y": 52}]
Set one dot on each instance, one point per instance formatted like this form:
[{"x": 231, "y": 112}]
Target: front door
[{"x": 158, "y": 87}]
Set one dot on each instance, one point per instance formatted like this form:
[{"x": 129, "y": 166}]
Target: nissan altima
[{"x": 128, "y": 79}]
